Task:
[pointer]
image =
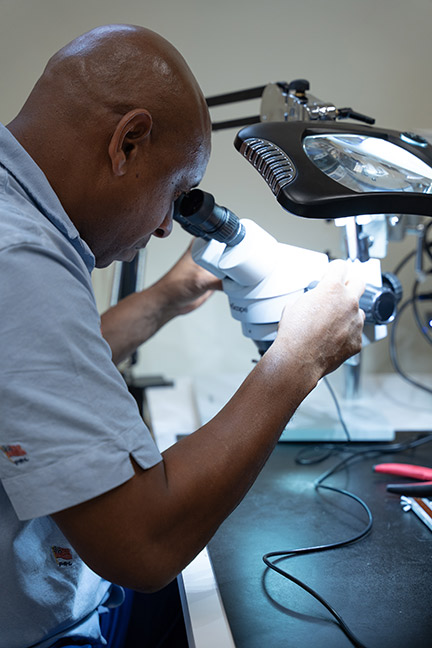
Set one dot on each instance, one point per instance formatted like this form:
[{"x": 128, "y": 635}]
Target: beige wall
[{"x": 373, "y": 55}]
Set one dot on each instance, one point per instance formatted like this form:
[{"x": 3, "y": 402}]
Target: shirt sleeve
[{"x": 68, "y": 423}]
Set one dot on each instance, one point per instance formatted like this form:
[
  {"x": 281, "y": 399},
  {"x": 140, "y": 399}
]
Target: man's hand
[
  {"x": 325, "y": 325},
  {"x": 137, "y": 317},
  {"x": 186, "y": 286}
]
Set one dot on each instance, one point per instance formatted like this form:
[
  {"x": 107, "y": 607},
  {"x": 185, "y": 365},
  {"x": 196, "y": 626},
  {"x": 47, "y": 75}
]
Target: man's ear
[{"x": 130, "y": 131}]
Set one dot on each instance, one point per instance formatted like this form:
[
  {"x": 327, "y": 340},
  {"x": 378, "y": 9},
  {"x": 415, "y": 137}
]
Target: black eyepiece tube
[{"x": 199, "y": 215}]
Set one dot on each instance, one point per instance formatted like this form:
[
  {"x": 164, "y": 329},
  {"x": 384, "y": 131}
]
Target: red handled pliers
[{"x": 422, "y": 489}]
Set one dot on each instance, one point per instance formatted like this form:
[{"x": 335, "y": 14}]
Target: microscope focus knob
[
  {"x": 379, "y": 304},
  {"x": 390, "y": 280}
]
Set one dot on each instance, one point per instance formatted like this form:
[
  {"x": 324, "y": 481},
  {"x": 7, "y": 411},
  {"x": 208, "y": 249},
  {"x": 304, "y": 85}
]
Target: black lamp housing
[{"x": 276, "y": 150}]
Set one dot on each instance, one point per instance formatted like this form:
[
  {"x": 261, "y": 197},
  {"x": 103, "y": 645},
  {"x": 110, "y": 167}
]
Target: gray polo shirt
[{"x": 67, "y": 422}]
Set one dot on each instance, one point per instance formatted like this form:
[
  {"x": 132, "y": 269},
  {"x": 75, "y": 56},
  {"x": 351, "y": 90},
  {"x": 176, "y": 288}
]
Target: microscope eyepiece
[
  {"x": 197, "y": 206},
  {"x": 199, "y": 215}
]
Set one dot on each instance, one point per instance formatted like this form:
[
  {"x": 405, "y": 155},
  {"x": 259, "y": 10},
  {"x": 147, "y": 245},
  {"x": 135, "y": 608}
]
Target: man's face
[{"x": 144, "y": 207}]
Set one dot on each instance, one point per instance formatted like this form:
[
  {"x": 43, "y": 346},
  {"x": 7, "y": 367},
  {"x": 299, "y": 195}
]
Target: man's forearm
[
  {"x": 133, "y": 321},
  {"x": 137, "y": 317}
]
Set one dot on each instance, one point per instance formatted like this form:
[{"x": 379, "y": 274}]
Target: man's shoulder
[
  {"x": 17, "y": 228},
  {"x": 38, "y": 222},
  {"x": 20, "y": 219},
  {"x": 24, "y": 227}
]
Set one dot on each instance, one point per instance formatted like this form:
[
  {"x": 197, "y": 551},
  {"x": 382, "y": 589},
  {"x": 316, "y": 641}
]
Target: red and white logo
[
  {"x": 63, "y": 556},
  {"x": 15, "y": 453}
]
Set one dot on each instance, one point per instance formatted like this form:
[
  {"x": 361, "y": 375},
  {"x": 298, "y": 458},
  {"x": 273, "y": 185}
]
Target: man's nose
[{"x": 165, "y": 228}]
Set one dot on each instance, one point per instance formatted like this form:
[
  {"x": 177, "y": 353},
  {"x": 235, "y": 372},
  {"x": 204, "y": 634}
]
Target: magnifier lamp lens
[{"x": 364, "y": 163}]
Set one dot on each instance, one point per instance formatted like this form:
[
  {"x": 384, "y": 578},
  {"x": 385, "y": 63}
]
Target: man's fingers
[
  {"x": 356, "y": 286},
  {"x": 347, "y": 273},
  {"x": 337, "y": 270},
  {"x": 354, "y": 280}
]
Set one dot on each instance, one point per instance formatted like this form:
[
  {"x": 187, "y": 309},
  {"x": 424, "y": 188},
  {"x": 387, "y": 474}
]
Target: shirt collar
[{"x": 26, "y": 172}]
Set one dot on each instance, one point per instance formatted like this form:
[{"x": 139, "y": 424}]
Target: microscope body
[{"x": 261, "y": 277}]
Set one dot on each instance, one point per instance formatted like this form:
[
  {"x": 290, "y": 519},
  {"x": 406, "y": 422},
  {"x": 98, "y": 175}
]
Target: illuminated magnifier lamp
[
  {"x": 329, "y": 170},
  {"x": 375, "y": 183}
]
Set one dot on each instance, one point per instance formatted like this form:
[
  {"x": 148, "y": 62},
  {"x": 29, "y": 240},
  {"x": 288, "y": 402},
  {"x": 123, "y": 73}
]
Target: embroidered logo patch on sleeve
[
  {"x": 15, "y": 453},
  {"x": 63, "y": 556}
]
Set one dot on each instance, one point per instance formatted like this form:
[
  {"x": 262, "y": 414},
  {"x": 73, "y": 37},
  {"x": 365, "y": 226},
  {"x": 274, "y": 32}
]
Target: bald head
[
  {"x": 111, "y": 70},
  {"x": 116, "y": 68},
  {"x": 109, "y": 98}
]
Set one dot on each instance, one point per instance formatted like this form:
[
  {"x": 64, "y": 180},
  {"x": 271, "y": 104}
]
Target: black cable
[
  {"x": 387, "y": 449},
  {"x": 307, "y": 550},
  {"x": 377, "y": 450},
  {"x": 393, "y": 354},
  {"x": 427, "y": 245},
  {"x": 309, "y": 456},
  {"x": 351, "y": 636},
  {"x": 404, "y": 261},
  {"x": 338, "y": 409},
  {"x": 390, "y": 448},
  {"x": 416, "y": 297}
]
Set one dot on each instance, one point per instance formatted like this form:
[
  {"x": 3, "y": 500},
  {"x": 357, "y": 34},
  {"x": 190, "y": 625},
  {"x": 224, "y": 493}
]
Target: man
[{"x": 115, "y": 129}]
